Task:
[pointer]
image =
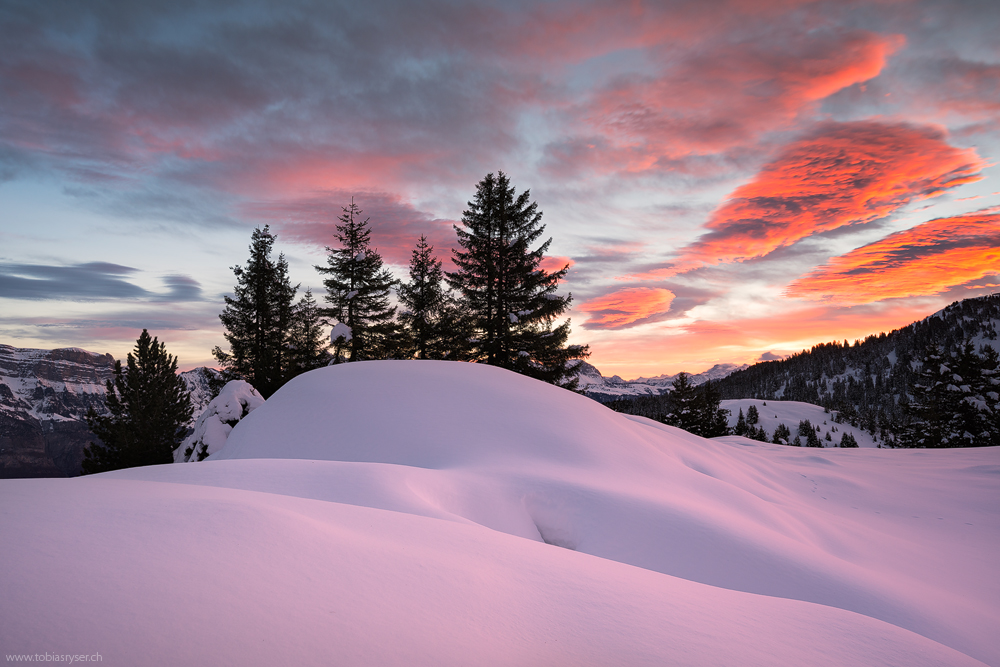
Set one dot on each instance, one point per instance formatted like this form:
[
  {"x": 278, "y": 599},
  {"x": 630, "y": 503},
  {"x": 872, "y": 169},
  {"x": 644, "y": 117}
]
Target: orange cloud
[
  {"x": 927, "y": 259},
  {"x": 552, "y": 263},
  {"x": 627, "y": 307},
  {"x": 644, "y": 122},
  {"x": 841, "y": 174}
]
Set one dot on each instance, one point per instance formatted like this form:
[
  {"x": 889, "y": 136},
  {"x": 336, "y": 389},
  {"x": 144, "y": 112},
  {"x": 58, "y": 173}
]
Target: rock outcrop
[{"x": 44, "y": 395}]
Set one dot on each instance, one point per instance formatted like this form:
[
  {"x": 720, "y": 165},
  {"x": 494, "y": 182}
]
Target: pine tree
[
  {"x": 257, "y": 318},
  {"x": 976, "y": 408},
  {"x": 990, "y": 389},
  {"x": 807, "y": 431},
  {"x": 741, "y": 424},
  {"x": 847, "y": 440},
  {"x": 714, "y": 420},
  {"x": 357, "y": 289},
  {"x": 430, "y": 316},
  {"x": 511, "y": 302},
  {"x": 753, "y": 417},
  {"x": 934, "y": 409},
  {"x": 683, "y": 409},
  {"x": 148, "y": 407},
  {"x": 307, "y": 344},
  {"x": 782, "y": 435}
]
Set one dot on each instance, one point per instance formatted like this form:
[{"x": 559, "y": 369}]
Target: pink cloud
[
  {"x": 637, "y": 123},
  {"x": 396, "y": 225},
  {"x": 627, "y": 307},
  {"x": 925, "y": 260},
  {"x": 841, "y": 174}
]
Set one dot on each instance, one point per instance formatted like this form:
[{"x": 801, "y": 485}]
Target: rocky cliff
[{"x": 44, "y": 395}]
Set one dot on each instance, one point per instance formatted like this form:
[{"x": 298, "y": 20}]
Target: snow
[
  {"x": 340, "y": 330},
  {"x": 790, "y": 413},
  {"x": 236, "y": 400},
  {"x": 397, "y": 513}
]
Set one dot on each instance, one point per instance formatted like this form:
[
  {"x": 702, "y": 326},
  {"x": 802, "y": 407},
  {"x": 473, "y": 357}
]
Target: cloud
[
  {"x": 396, "y": 225},
  {"x": 182, "y": 288},
  {"x": 555, "y": 263},
  {"x": 924, "y": 260},
  {"x": 92, "y": 281},
  {"x": 771, "y": 356},
  {"x": 647, "y": 121},
  {"x": 838, "y": 175},
  {"x": 627, "y": 307}
]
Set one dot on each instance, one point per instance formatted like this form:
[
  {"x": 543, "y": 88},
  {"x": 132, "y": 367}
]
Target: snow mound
[
  {"x": 391, "y": 513},
  {"x": 236, "y": 400},
  {"x": 434, "y": 414}
]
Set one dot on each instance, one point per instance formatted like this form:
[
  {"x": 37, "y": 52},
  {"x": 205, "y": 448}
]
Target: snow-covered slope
[
  {"x": 384, "y": 513},
  {"x": 790, "y": 413}
]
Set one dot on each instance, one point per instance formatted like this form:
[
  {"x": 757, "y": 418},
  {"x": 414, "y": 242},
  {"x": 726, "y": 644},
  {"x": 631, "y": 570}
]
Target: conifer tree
[
  {"x": 257, "y": 318},
  {"x": 807, "y": 431},
  {"x": 510, "y": 301},
  {"x": 430, "y": 315},
  {"x": 148, "y": 406},
  {"x": 741, "y": 424},
  {"x": 714, "y": 420},
  {"x": 357, "y": 289},
  {"x": 933, "y": 410},
  {"x": 848, "y": 441},
  {"x": 306, "y": 342},
  {"x": 782, "y": 435},
  {"x": 683, "y": 405},
  {"x": 753, "y": 417}
]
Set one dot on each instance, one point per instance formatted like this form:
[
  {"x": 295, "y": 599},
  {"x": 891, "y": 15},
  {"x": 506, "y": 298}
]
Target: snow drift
[{"x": 397, "y": 513}]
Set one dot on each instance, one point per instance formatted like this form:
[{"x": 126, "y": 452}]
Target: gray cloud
[{"x": 91, "y": 281}]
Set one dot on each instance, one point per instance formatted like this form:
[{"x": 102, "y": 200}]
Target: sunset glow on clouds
[
  {"x": 626, "y": 307},
  {"x": 925, "y": 260},
  {"x": 842, "y": 174},
  {"x": 713, "y": 172}
]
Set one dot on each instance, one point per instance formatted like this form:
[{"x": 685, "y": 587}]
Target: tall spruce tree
[
  {"x": 357, "y": 289},
  {"x": 306, "y": 342},
  {"x": 258, "y": 317},
  {"x": 510, "y": 301},
  {"x": 430, "y": 314},
  {"x": 149, "y": 407}
]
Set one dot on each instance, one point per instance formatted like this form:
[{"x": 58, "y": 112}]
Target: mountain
[
  {"x": 44, "y": 395},
  {"x": 870, "y": 382},
  {"x": 605, "y": 390},
  {"x": 386, "y": 513}
]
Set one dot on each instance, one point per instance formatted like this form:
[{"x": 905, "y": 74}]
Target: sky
[{"x": 729, "y": 180}]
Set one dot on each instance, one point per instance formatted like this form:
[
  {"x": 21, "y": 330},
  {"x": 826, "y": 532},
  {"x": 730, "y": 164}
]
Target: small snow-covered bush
[{"x": 236, "y": 400}]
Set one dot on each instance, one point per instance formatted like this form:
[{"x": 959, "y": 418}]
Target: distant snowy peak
[
  {"x": 197, "y": 381},
  {"x": 605, "y": 389}
]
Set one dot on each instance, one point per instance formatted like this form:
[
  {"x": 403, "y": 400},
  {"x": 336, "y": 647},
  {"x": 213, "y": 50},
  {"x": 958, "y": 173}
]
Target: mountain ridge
[{"x": 44, "y": 396}]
